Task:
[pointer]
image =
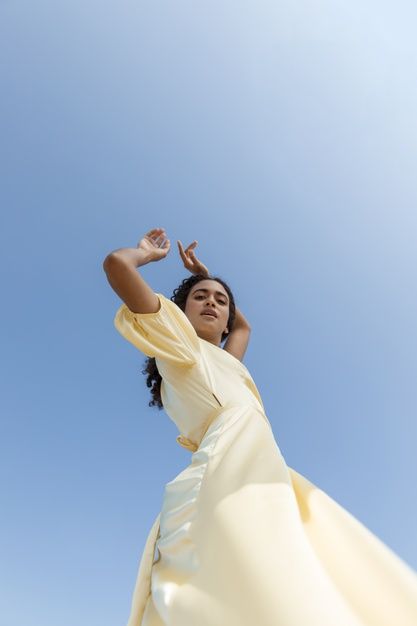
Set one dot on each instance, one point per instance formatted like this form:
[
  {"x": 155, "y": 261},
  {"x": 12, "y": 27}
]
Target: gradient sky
[{"x": 280, "y": 135}]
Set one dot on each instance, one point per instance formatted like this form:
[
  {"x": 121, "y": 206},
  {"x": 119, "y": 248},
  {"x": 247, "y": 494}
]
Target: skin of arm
[
  {"x": 238, "y": 339},
  {"x": 240, "y": 320},
  {"x": 121, "y": 266}
]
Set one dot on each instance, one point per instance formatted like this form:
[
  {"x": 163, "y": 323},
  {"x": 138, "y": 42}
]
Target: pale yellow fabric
[{"x": 242, "y": 539}]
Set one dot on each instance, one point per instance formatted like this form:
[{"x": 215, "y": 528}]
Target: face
[{"x": 212, "y": 296}]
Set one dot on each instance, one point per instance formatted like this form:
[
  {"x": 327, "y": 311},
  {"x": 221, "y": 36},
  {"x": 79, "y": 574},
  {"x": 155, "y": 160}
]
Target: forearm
[
  {"x": 134, "y": 256},
  {"x": 240, "y": 320},
  {"x": 121, "y": 270}
]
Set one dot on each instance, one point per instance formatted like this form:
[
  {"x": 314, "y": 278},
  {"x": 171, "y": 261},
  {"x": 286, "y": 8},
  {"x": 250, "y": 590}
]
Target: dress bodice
[{"x": 199, "y": 379}]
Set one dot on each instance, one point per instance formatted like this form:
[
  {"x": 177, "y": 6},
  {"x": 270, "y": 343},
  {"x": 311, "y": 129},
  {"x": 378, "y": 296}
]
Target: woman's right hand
[{"x": 155, "y": 244}]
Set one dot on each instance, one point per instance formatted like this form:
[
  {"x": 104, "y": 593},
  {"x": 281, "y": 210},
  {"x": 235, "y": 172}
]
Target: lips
[{"x": 209, "y": 312}]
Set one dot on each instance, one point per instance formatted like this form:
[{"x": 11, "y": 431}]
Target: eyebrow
[{"x": 206, "y": 290}]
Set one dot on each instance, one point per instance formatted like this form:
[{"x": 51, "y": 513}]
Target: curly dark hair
[{"x": 179, "y": 296}]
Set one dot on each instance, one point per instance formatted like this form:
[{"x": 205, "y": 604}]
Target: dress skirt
[{"x": 244, "y": 540}]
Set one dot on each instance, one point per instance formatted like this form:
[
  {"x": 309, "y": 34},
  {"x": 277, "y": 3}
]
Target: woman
[{"x": 242, "y": 539}]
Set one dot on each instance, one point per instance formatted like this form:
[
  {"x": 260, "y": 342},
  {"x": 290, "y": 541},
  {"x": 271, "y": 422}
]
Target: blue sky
[{"x": 281, "y": 136}]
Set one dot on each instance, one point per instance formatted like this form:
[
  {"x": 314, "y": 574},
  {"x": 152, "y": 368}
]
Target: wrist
[
  {"x": 135, "y": 256},
  {"x": 204, "y": 272}
]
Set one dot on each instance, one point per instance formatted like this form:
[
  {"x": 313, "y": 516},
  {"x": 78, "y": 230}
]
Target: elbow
[
  {"x": 243, "y": 326},
  {"x": 109, "y": 262},
  {"x": 106, "y": 264}
]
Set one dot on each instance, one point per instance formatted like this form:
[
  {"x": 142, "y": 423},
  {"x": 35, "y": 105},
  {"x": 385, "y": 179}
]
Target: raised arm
[
  {"x": 238, "y": 339},
  {"x": 121, "y": 270}
]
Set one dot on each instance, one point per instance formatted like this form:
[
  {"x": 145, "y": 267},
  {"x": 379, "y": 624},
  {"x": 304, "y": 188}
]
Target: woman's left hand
[{"x": 190, "y": 260}]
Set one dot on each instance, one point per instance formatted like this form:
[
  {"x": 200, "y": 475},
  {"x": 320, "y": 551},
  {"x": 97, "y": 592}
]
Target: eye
[{"x": 200, "y": 295}]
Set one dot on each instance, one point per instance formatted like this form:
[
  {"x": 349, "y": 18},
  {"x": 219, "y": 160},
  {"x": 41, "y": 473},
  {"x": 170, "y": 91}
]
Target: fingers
[
  {"x": 158, "y": 241},
  {"x": 157, "y": 236},
  {"x": 181, "y": 250},
  {"x": 192, "y": 245},
  {"x": 155, "y": 231},
  {"x": 159, "y": 233}
]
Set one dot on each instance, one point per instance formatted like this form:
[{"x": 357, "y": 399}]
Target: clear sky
[{"x": 280, "y": 135}]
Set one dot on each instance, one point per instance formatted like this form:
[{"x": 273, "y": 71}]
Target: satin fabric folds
[{"x": 242, "y": 539}]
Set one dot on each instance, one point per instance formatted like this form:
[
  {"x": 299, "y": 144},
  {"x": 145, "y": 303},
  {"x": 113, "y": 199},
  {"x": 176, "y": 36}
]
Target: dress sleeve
[{"x": 167, "y": 334}]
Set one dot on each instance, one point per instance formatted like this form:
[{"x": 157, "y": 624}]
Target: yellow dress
[{"x": 242, "y": 539}]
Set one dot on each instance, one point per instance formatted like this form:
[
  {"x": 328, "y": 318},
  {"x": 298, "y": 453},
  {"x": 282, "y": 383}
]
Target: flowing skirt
[{"x": 243, "y": 539}]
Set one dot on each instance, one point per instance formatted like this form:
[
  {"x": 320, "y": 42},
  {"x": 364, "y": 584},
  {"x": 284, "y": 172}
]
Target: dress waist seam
[{"x": 193, "y": 446}]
